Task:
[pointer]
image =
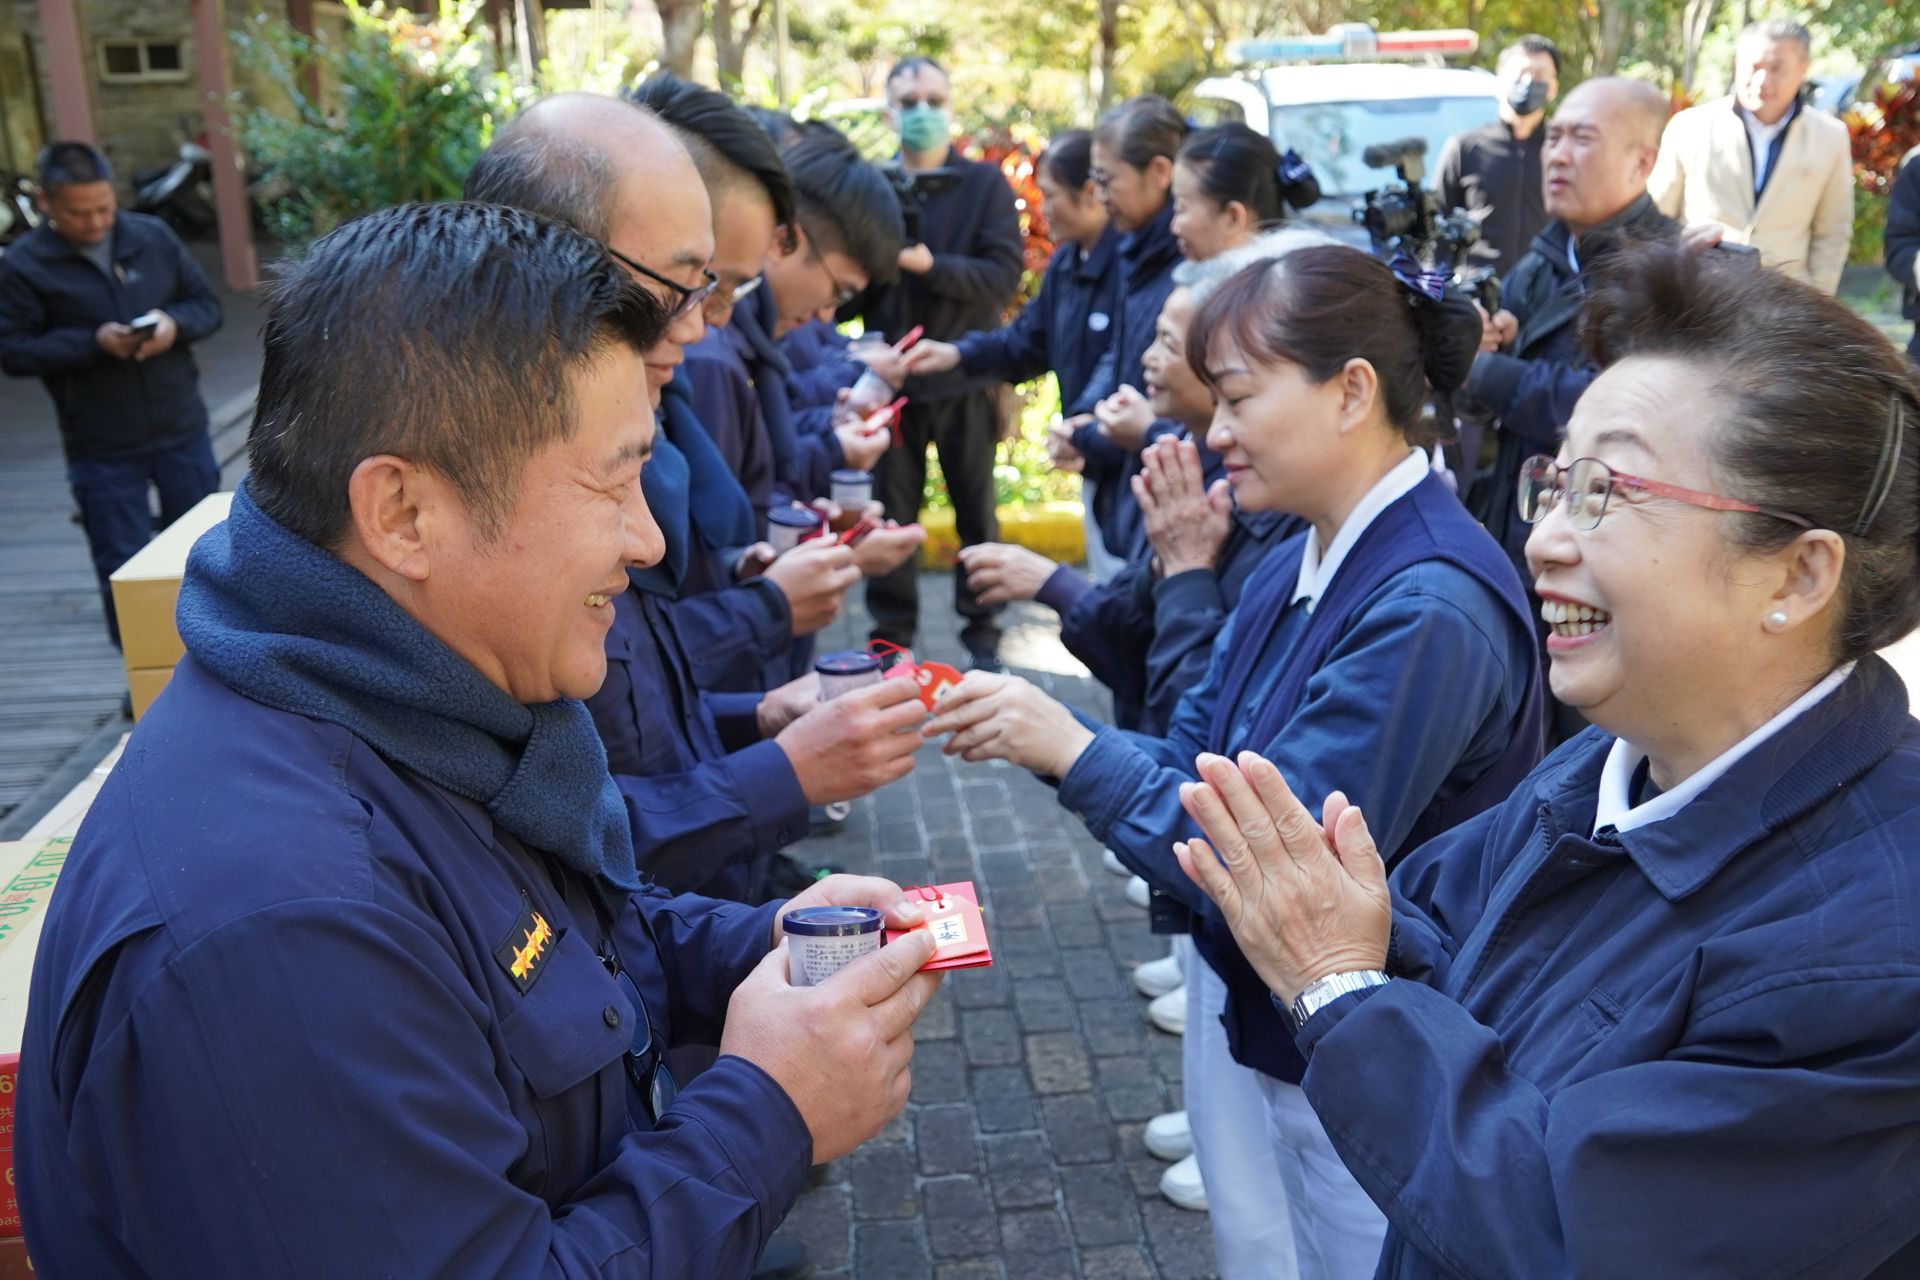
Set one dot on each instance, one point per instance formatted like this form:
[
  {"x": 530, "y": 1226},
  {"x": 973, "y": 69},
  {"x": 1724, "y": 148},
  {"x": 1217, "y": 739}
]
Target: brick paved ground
[{"x": 1019, "y": 1154}]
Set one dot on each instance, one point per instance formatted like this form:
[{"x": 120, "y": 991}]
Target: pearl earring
[{"x": 1777, "y": 619}]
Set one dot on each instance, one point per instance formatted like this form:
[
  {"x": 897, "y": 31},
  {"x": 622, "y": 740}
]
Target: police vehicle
[{"x": 1330, "y": 97}]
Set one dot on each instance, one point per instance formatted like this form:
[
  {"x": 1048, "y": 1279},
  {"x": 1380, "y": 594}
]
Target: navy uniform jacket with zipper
[
  {"x": 817, "y": 354},
  {"x": 52, "y": 300},
  {"x": 737, "y": 377},
  {"x": 709, "y": 800},
  {"x": 269, "y": 1034},
  {"x": 1415, "y": 690},
  {"x": 1688, "y": 1049},
  {"x": 1137, "y": 293},
  {"x": 1063, "y": 330},
  {"x": 1532, "y": 391}
]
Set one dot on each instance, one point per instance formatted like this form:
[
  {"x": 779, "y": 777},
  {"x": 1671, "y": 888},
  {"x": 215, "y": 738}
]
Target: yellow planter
[{"x": 1057, "y": 530}]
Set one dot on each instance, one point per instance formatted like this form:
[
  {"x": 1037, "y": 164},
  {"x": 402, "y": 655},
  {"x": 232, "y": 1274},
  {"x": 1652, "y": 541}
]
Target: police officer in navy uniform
[
  {"x": 351, "y": 971},
  {"x": 103, "y": 306}
]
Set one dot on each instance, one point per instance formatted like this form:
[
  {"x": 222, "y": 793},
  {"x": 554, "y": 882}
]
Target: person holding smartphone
[{"x": 103, "y": 307}]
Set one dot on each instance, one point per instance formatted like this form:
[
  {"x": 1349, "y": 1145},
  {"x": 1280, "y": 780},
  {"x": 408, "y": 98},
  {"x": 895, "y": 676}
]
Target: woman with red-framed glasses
[{"x": 1659, "y": 1013}]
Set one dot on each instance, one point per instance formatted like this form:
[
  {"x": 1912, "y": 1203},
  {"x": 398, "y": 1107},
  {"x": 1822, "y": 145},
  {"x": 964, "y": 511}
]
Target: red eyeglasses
[{"x": 1589, "y": 482}]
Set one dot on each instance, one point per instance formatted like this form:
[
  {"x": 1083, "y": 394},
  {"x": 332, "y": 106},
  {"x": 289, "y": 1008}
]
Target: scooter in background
[
  {"x": 181, "y": 193},
  {"x": 19, "y": 212}
]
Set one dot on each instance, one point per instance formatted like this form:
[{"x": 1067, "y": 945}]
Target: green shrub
[
  {"x": 1023, "y": 474},
  {"x": 406, "y": 105}
]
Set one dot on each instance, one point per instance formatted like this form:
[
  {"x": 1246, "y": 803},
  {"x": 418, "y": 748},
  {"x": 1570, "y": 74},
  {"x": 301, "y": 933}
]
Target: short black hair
[
  {"x": 70, "y": 164},
  {"x": 908, "y": 65},
  {"x": 544, "y": 171},
  {"x": 778, "y": 125},
  {"x": 726, "y": 142},
  {"x": 1528, "y": 46},
  {"x": 848, "y": 206},
  {"x": 447, "y": 334}
]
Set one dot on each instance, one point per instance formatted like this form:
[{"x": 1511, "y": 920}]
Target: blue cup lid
[
  {"x": 850, "y": 476},
  {"x": 848, "y": 662},
  {"x": 831, "y": 922},
  {"x": 794, "y": 517}
]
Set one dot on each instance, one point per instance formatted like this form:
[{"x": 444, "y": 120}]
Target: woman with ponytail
[
  {"x": 1388, "y": 646},
  {"x": 1228, "y": 184}
]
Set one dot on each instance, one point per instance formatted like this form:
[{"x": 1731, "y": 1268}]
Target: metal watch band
[{"x": 1324, "y": 991}]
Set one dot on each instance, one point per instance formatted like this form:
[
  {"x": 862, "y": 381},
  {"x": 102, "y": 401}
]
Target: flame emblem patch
[{"x": 526, "y": 949}]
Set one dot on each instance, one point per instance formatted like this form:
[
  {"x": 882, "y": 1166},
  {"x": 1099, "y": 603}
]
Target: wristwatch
[{"x": 1323, "y": 992}]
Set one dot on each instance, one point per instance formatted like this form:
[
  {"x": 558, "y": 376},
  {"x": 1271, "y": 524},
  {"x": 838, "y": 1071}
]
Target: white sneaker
[
  {"x": 1139, "y": 894},
  {"x": 1157, "y": 977},
  {"x": 1169, "y": 1137},
  {"x": 1111, "y": 861},
  {"x": 1169, "y": 1012},
  {"x": 1181, "y": 1184}
]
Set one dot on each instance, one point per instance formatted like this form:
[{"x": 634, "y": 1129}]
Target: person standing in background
[
  {"x": 956, "y": 277},
  {"x": 1495, "y": 169},
  {"x": 1760, "y": 166},
  {"x": 1903, "y": 243},
  {"x": 102, "y": 306}
]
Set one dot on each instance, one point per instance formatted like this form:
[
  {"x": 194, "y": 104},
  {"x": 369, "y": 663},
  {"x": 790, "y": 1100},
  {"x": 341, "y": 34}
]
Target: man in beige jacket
[{"x": 1767, "y": 170}]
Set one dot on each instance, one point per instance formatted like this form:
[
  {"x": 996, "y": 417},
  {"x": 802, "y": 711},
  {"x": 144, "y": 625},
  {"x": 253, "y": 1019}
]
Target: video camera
[
  {"x": 912, "y": 188},
  {"x": 1409, "y": 219}
]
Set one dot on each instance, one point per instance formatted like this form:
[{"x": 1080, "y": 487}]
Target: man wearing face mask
[
  {"x": 1762, "y": 168},
  {"x": 959, "y": 277},
  {"x": 1495, "y": 169}
]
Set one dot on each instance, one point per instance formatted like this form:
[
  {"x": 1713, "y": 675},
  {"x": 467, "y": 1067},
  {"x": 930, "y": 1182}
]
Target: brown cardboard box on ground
[
  {"x": 146, "y": 588},
  {"x": 28, "y": 872},
  {"x": 144, "y": 685}
]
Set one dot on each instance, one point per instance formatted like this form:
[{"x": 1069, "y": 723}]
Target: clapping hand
[{"x": 1304, "y": 899}]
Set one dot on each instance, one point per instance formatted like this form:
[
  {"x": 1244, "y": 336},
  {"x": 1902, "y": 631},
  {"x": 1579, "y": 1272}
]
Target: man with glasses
[
  {"x": 959, "y": 277},
  {"x": 844, "y": 235}
]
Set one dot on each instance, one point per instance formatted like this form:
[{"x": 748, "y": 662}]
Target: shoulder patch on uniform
[{"x": 526, "y": 949}]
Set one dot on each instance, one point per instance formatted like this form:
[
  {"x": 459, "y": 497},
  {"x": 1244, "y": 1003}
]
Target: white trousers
[
  {"x": 1337, "y": 1230},
  {"x": 1246, "y": 1195}
]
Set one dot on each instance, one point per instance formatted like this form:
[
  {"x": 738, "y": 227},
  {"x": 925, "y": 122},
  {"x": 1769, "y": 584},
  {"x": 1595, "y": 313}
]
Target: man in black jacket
[
  {"x": 958, "y": 277},
  {"x": 102, "y": 306},
  {"x": 1903, "y": 243},
  {"x": 1494, "y": 170}
]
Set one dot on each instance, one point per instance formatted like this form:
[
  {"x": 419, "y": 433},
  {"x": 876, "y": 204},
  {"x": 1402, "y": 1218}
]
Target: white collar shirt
[{"x": 1316, "y": 570}]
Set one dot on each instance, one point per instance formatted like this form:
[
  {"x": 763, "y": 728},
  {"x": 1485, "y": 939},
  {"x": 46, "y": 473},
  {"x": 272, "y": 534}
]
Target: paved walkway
[
  {"x": 61, "y": 682},
  {"x": 1020, "y": 1152}
]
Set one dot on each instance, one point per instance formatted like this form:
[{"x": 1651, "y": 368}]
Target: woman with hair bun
[
  {"x": 1388, "y": 646},
  {"x": 1658, "y": 1014},
  {"x": 1228, "y": 184}
]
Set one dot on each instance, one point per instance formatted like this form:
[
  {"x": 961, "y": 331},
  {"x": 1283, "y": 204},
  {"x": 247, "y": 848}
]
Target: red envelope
[{"x": 954, "y": 916}]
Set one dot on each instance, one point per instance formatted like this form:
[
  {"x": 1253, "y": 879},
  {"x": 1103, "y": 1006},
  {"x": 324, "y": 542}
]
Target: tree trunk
[
  {"x": 1615, "y": 18},
  {"x": 1108, "y": 53},
  {"x": 1695, "y": 22},
  {"x": 680, "y": 23},
  {"x": 729, "y": 52},
  {"x": 533, "y": 33}
]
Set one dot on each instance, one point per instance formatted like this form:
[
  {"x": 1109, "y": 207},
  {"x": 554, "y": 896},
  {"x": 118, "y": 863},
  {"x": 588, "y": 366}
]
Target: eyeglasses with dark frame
[
  {"x": 645, "y": 1062},
  {"x": 841, "y": 294},
  {"x": 1591, "y": 482},
  {"x": 692, "y": 297}
]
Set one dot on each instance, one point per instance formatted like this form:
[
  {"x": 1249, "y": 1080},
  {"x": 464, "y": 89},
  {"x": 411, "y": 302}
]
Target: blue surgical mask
[{"x": 922, "y": 128}]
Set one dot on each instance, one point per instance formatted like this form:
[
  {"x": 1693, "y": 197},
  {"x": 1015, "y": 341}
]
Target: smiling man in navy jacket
[
  {"x": 351, "y": 972},
  {"x": 102, "y": 306}
]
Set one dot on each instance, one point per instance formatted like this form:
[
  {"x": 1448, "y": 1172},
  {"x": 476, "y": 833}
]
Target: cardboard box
[
  {"x": 144, "y": 685},
  {"x": 29, "y": 870},
  {"x": 146, "y": 588}
]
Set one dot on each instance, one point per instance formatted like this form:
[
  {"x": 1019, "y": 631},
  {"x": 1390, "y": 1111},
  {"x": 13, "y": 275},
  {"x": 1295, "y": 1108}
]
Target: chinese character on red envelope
[{"x": 952, "y": 914}]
